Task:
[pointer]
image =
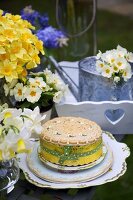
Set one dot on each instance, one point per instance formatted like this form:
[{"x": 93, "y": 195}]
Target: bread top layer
[{"x": 71, "y": 131}]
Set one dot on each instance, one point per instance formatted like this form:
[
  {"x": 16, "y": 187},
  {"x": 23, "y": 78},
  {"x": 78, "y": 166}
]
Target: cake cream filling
[{"x": 68, "y": 155}]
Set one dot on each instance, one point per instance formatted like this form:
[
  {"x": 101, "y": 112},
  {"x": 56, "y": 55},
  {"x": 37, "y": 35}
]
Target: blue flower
[
  {"x": 51, "y": 37},
  {"x": 35, "y": 18},
  {"x": 43, "y": 20},
  {"x": 30, "y": 15}
]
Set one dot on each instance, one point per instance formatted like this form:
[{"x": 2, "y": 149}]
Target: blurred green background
[{"x": 112, "y": 29}]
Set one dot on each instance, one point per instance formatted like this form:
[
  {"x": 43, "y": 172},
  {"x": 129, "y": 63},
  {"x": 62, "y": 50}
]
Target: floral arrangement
[
  {"x": 115, "y": 64},
  {"x": 39, "y": 89},
  {"x": 51, "y": 37},
  {"x": 19, "y": 47},
  {"x": 16, "y": 129}
]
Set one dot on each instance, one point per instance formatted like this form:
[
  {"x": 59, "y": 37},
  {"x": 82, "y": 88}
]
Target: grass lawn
[{"x": 114, "y": 29}]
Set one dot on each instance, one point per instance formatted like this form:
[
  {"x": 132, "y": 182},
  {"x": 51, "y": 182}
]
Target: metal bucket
[{"x": 94, "y": 87}]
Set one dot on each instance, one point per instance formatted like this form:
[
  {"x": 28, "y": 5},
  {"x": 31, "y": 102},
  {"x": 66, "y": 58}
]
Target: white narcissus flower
[
  {"x": 64, "y": 89},
  {"x": 58, "y": 96},
  {"x": 129, "y": 57},
  {"x": 57, "y": 83},
  {"x": 10, "y": 112},
  {"x": 127, "y": 73},
  {"x": 11, "y": 138},
  {"x": 49, "y": 79},
  {"x": 37, "y": 82},
  {"x": 33, "y": 120},
  {"x": 4, "y": 151},
  {"x": 99, "y": 66},
  {"x": 98, "y": 56},
  {"x": 14, "y": 123},
  {"x": 46, "y": 88},
  {"x": 16, "y": 130},
  {"x": 19, "y": 92},
  {"x": 15, "y": 143},
  {"x": 109, "y": 56},
  {"x": 116, "y": 79},
  {"x": 33, "y": 94},
  {"x": 115, "y": 68},
  {"x": 121, "y": 63},
  {"x": 47, "y": 72},
  {"x": 23, "y": 142},
  {"x": 9, "y": 86},
  {"x": 122, "y": 52},
  {"x": 107, "y": 72},
  {"x": 49, "y": 76}
]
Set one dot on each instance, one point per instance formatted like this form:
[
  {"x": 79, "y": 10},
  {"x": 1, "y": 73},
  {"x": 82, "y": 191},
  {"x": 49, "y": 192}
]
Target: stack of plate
[{"x": 108, "y": 168}]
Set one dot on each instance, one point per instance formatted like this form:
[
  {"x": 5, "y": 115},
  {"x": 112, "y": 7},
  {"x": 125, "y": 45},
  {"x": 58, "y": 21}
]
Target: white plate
[
  {"x": 73, "y": 168},
  {"x": 120, "y": 153},
  {"x": 48, "y": 174}
]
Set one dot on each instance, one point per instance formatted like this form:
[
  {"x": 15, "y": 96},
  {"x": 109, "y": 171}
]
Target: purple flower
[
  {"x": 43, "y": 21},
  {"x": 51, "y": 37},
  {"x": 33, "y": 16},
  {"x": 30, "y": 15}
]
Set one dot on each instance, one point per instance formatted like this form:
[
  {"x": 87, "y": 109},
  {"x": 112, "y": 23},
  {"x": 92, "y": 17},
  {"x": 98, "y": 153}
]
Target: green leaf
[{"x": 26, "y": 104}]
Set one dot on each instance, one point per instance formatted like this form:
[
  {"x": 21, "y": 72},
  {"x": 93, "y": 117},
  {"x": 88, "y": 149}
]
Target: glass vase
[
  {"x": 9, "y": 174},
  {"x": 77, "y": 19}
]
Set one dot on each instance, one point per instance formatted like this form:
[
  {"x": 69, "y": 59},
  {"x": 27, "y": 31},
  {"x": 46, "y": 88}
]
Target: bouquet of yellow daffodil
[
  {"x": 16, "y": 129},
  {"x": 19, "y": 47}
]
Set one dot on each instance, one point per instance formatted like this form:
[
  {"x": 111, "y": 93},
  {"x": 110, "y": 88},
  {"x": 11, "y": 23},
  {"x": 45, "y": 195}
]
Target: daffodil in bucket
[{"x": 107, "y": 76}]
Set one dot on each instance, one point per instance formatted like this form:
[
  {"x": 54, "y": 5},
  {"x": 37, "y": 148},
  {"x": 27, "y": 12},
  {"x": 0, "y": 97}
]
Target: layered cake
[{"x": 71, "y": 141}]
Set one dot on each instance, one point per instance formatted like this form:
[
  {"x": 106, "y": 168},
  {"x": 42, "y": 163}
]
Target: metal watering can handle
[{"x": 81, "y": 32}]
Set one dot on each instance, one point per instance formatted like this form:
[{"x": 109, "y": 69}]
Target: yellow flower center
[
  {"x": 7, "y": 115},
  {"x": 125, "y": 73},
  {"x": 24, "y": 72},
  {"x": 4, "y": 56},
  {"x": 21, "y": 145},
  {"x": 107, "y": 71},
  {"x": 112, "y": 60},
  {"x": 37, "y": 82},
  {"x": 115, "y": 68},
  {"x": 119, "y": 64},
  {"x": 101, "y": 65},
  {"x": 33, "y": 93},
  {"x": 7, "y": 70},
  {"x": 19, "y": 92}
]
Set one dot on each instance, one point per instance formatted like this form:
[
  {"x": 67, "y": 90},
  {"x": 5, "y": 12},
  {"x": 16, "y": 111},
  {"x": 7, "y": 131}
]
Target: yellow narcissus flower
[
  {"x": 19, "y": 47},
  {"x": 7, "y": 70}
]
